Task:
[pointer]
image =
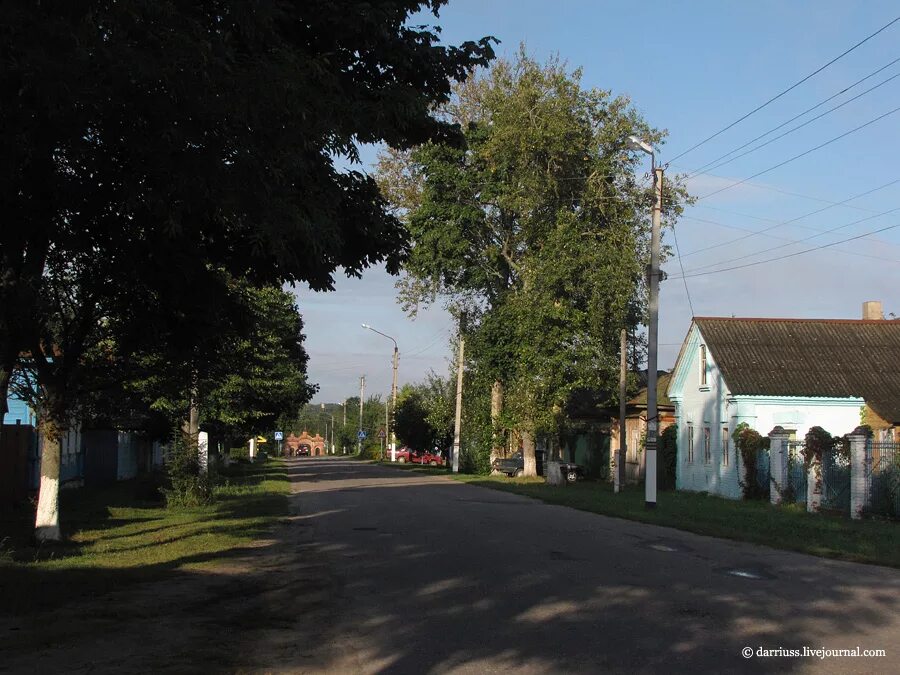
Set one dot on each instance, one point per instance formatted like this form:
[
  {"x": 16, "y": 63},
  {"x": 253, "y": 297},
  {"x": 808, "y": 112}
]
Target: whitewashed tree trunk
[
  {"x": 46, "y": 524},
  {"x": 496, "y": 410},
  {"x": 528, "y": 453}
]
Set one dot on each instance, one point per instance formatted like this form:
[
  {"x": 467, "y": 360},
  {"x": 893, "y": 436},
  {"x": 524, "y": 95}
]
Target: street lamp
[
  {"x": 635, "y": 143},
  {"x": 393, "y": 389}
]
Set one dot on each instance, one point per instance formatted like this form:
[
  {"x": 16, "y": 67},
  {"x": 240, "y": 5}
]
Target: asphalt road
[{"x": 422, "y": 574}]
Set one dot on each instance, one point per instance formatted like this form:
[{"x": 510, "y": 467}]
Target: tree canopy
[
  {"x": 175, "y": 146},
  {"x": 538, "y": 229}
]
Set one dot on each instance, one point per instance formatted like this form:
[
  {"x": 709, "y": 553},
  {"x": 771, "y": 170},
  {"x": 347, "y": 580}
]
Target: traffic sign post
[
  {"x": 279, "y": 435},
  {"x": 361, "y": 435}
]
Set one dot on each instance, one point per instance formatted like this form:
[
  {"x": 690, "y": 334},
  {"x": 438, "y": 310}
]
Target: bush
[
  {"x": 187, "y": 484},
  {"x": 667, "y": 459},
  {"x": 884, "y": 498},
  {"x": 475, "y": 459},
  {"x": 750, "y": 443},
  {"x": 241, "y": 454}
]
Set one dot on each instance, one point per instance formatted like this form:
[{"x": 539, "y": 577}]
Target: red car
[
  {"x": 404, "y": 455},
  {"x": 427, "y": 457}
]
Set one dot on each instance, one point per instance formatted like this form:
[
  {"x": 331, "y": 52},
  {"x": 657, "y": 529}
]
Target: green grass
[
  {"x": 124, "y": 534},
  {"x": 786, "y": 527}
]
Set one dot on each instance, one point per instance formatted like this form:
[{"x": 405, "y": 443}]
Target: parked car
[
  {"x": 404, "y": 455},
  {"x": 514, "y": 466},
  {"x": 427, "y": 457}
]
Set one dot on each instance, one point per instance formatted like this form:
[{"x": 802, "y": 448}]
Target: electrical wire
[
  {"x": 681, "y": 265},
  {"x": 802, "y": 154},
  {"x": 858, "y": 254},
  {"x": 792, "y": 87},
  {"x": 793, "y": 255},
  {"x": 713, "y": 166},
  {"x": 788, "y": 222},
  {"x": 799, "y": 241}
]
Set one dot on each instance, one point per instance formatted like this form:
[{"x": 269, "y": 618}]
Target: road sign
[
  {"x": 381, "y": 433},
  {"x": 279, "y": 435},
  {"x": 361, "y": 435}
]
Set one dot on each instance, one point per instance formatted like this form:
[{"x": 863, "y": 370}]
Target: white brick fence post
[
  {"x": 814, "y": 486},
  {"x": 778, "y": 464},
  {"x": 860, "y": 469}
]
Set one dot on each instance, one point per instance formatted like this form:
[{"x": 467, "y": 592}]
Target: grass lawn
[
  {"x": 123, "y": 533},
  {"x": 787, "y": 527}
]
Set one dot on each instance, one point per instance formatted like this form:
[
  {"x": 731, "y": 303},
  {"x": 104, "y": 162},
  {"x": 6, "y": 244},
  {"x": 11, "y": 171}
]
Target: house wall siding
[
  {"x": 696, "y": 407},
  {"x": 714, "y": 406}
]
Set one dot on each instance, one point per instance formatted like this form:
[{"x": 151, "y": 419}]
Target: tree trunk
[
  {"x": 496, "y": 409},
  {"x": 528, "y": 453},
  {"x": 51, "y": 424}
]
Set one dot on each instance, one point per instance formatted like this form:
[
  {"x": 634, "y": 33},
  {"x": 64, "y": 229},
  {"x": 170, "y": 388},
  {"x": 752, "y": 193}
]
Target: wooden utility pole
[
  {"x": 457, "y": 427},
  {"x": 619, "y": 475},
  {"x": 362, "y": 393}
]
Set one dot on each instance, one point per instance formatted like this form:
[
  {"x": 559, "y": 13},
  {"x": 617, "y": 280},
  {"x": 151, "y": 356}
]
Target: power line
[
  {"x": 771, "y": 188},
  {"x": 858, "y": 254},
  {"x": 792, "y": 255},
  {"x": 683, "y": 278},
  {"x": 802, "y": 154},
  {"x": 712, "y": 165},
  {"x": 788, "y": 222},
  {"x": 792, "y": 87},
  {"x": 799, "y": 241}
]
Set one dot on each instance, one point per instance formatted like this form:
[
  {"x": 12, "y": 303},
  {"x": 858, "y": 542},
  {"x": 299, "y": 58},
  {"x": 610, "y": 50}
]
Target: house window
[
  {"x": 725, "y": 446},
  {"x": 703, "y": 366},
  {"x": 690, "y": 443},
  {"x": 707, "y": 449}
]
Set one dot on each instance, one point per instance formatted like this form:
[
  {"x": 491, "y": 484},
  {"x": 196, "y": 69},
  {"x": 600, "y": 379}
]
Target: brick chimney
[{"x": 872, "y": 310}]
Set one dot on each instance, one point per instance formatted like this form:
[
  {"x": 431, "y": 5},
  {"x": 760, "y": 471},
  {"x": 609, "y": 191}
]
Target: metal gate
[
  {"x": 762, "y": 469},
  {"x": 883, "y": 480},
  {"x": 835, "y": 481},
  {"x": 796, "y": 473}
]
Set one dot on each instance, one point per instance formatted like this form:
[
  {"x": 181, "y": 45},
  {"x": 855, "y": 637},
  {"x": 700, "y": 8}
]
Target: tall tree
[
  {"x": 538, "y": 228},
  {"x": 164, "y": 138}
]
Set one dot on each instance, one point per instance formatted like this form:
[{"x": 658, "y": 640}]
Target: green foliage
[
  {"x": 187, "y": 484},
  {"x": 749, "y": 444},
  {"x": 411, "y": 419},
  {"x": 241, "y": 454},
  {"x": 538, "y": 229},
  {"x": 425, "y": 413},
  {"x": 667, "y": 460},
  {"x": 209, "y": 150},
  {"x": 885, "y": 492},
  {"x": 817, "y": 442}
]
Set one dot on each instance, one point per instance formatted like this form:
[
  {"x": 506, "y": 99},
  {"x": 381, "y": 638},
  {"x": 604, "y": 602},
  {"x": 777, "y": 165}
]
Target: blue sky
[{"x": 693, "y": 68}]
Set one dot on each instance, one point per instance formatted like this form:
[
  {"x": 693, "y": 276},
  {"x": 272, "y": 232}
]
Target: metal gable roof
[{"x": 809, "y": 357}]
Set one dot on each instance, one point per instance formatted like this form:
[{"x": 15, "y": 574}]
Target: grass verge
[
  {"x": 786, "y": 527},
  {"x": 124, "y": 534}
]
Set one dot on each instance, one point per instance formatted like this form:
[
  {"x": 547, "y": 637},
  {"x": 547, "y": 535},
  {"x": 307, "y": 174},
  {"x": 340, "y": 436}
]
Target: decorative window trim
[
  {"x": 704, "y": 368},
  {"x": 725, "y": 448}
]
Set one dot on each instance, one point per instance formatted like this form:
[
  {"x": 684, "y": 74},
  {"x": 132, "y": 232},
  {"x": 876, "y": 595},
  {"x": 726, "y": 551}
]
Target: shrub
[
  {"x": 667, "y": 459},
  {"x": 475, "y": 459},
  {"x": 241, "y": 454},
  {"x": 817, "y": 442},
  {"x": 885, "y": 486},
  {"x": 750, "y": 443},
  {"x": 187, "y": 485}
]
